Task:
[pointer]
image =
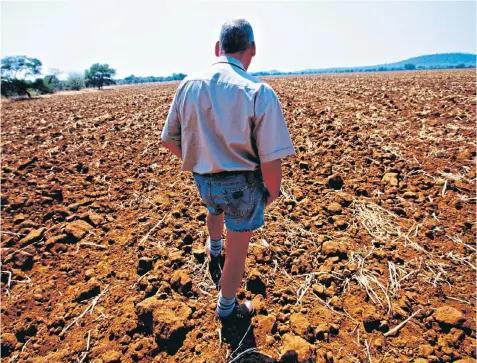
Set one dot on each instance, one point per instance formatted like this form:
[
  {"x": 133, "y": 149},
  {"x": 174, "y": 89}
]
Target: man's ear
[
  {"x": 217, "y": 49},
  {"x": 254, "y": 51}
]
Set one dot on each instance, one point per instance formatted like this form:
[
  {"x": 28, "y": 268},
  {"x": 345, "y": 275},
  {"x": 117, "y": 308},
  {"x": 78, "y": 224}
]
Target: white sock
[
  {"x": 225, "y": 306},
  {"x": 215, "y": 246}
]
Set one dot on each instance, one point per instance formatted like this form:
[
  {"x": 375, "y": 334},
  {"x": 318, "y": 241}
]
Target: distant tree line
[
  {"x": 21, "y": 76},
  {"x": 132, "y": 79},
  {"x": 407, "y": 66}
]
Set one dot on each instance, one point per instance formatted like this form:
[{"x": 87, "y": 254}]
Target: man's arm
[
  {"x": 171, "y": 133},
  {"x": 272, "y": 140},
  {"x": 272, "y": 177},
  {"x": 174, "y": 148}
]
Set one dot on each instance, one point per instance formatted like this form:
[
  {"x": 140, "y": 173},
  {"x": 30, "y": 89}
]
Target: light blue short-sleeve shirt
[{"x": 224, "y": 119}]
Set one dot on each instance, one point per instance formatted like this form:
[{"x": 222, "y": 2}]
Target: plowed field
[{"x": 102, "y": 235}]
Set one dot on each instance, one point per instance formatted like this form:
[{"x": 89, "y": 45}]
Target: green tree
[
  {"x": 409, "y": 66},
  {"x": 20, "y": 67},
  {"x": 99, "y": 75},
  {"x": 15, "y": 74}
]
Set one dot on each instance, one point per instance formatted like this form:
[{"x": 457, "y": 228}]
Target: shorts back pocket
[{"x": 239, "y": 200}]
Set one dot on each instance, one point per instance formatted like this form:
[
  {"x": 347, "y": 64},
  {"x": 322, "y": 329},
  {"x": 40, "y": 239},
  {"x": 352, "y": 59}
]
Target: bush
[
  {"x": 75, "y": 82},
  {"x": 52, "y": 82},
  {"x": 41, "y": 86},
  {"x": 21, "y": 87}
]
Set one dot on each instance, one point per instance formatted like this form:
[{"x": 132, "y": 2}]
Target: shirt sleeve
[
  {"x": 270, "y": 132},
  {"x": 172, "y": 127}
]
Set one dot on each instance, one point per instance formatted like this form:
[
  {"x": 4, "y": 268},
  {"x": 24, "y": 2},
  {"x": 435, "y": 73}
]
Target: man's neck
[{"x": 237, "y": 56}]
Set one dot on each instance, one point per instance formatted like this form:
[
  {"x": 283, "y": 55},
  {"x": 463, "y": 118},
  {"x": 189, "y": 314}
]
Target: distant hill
[
  {"x": 438, "y": 60},
  {"x": 431, "y": 61}
]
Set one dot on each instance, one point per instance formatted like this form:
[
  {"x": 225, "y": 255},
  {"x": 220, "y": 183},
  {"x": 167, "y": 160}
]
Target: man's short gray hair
[{"x": 235, "y": 36}]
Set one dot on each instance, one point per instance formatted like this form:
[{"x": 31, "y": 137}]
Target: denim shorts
[{"x": 242, "y": 197}]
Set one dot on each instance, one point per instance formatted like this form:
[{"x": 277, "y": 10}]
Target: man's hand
[
  {"x": 272, "y": 177},
  {"x": 270, "y": 199},
  {"x": 174, "y": 148}
]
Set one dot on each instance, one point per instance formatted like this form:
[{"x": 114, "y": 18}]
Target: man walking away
[{"x": 228, "y": 128}]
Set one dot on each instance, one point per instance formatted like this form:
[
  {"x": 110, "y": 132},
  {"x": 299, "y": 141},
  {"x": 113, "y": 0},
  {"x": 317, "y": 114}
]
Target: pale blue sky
[{"x": 161, "y": 37}]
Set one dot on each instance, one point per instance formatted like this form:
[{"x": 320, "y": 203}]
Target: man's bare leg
[
  {"x": 215, "y": 225},
  {"x": 232, "y": 274}
]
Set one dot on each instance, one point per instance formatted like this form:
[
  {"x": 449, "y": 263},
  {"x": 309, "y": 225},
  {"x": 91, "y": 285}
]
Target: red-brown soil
[{"x": 102, "y": 235}]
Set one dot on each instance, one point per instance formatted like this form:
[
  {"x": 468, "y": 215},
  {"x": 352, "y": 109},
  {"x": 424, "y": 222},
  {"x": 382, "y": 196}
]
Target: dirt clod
[
  {"x": 295, "y": 346},
  {"x": 89, "y": 290},
  {"x": 168, "y": 320},
  {"x": 390, "y": 179},
  {"x": 181, "y": 282},
  {"x": 112, "y": 356},
  {"x": 334, "y": 208},
  {"x": 9, "y": 341},
  {"x": 255, "y": 282},
  {"x": 33, "y": 236},
  {"x": 448, "y": 315},
  {"x": 335, "y": 248},
  {"x": 52, "y": 241},
  {"x": 265, "y": 325},
  {"x": 78, "y": 229},
  {"x": 300, "y": 325},
  {"x": 23, "y": 260}
]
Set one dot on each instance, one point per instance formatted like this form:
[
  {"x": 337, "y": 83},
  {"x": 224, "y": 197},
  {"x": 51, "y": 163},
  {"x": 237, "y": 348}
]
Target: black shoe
[
  {"x": 241, "y": 313},
  {"x": 236, "y": 327}
]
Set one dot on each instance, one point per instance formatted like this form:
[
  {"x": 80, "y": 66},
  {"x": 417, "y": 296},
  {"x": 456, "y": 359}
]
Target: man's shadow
[{"x": 244, "y": 348}]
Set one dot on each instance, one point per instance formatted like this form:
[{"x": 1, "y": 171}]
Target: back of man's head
[{"x": 235, "y": 36}]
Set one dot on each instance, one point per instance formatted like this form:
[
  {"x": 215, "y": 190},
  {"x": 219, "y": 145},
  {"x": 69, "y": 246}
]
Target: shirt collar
[{"x": 230, "y": 60}]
